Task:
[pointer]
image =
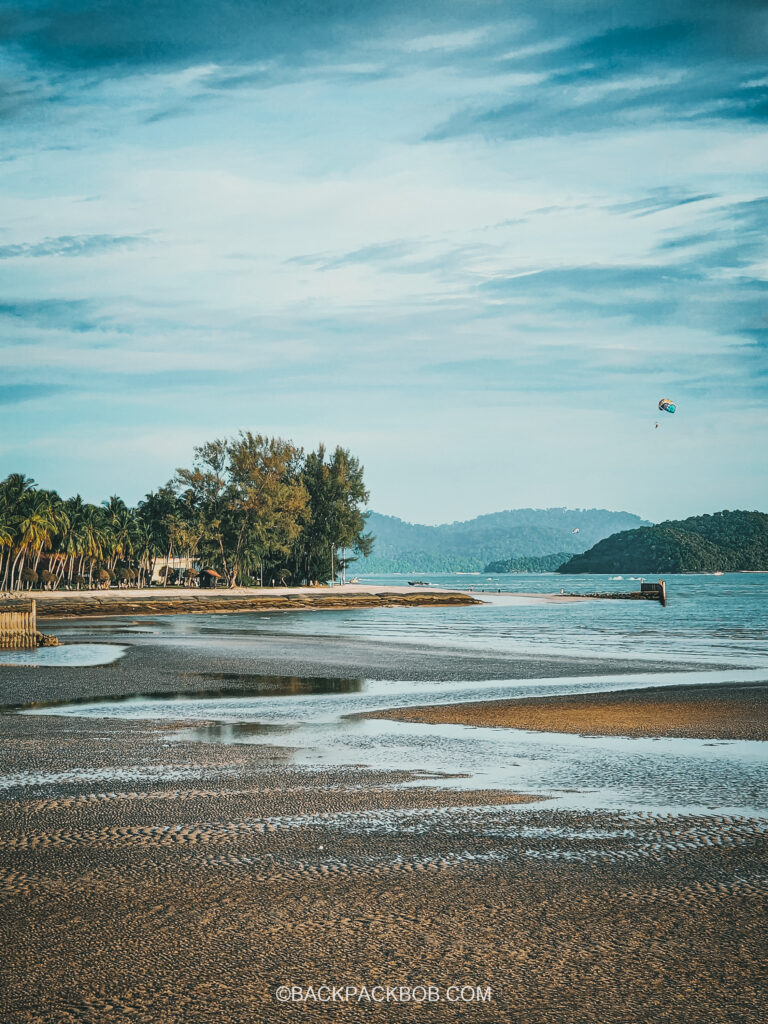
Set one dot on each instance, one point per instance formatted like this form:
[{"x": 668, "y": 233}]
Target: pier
[{"x": 647, "y": 592}]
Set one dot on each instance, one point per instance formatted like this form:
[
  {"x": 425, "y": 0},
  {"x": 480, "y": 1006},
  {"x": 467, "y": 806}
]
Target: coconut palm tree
[
  {"x": 94, "y": 536},
  {"x": 36, "y": 523},
  {"x": 120, "y": 523},
  {"x": 71, "y": 539},
  {"x": 13, "y": 492}
]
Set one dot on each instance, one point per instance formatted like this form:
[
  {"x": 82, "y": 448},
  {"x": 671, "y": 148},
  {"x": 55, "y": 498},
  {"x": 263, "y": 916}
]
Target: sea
[{"x": 710, "y": 619}]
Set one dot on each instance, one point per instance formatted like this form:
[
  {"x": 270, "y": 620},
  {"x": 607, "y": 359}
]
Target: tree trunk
[{"x": 21, "y": 567}]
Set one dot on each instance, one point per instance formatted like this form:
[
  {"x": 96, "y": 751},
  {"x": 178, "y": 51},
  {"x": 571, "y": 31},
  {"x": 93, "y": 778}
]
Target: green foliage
[
  {"x": 722, "y": 542},
  {"x": 541, "y": 563},
  {"x": 470, "y": 546},
  {"x": 251, "y": 507},
  {"x": 334, "y": 522}
]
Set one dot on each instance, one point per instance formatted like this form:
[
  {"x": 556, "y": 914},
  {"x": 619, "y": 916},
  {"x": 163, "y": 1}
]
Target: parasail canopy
[{"x": 667, "y": 405}]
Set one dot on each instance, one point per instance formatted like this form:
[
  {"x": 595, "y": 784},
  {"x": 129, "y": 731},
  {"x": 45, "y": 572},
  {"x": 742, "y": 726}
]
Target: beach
[
  {"x": 147, "y": 876},
  {"x": 61, "y": 604},
  {"x": 726, "y": 712},
  {"x": 194, "y": 889}
]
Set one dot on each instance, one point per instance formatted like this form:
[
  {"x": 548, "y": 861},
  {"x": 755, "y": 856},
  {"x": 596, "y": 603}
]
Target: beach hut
[{"x": 209, "y": 577}]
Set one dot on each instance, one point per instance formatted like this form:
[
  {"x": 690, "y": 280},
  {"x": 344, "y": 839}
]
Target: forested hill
[
  {"x": 528, "y": 563},
  {"x": 723, "y": 542},
  {"x": 469, "y": 546}
]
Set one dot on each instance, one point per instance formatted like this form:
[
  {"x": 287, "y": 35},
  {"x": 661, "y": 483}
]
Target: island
[{"x": 722, "y": 542}]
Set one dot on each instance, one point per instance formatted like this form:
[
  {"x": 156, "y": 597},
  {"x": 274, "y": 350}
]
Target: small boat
[{"x": 417, "y": 583}]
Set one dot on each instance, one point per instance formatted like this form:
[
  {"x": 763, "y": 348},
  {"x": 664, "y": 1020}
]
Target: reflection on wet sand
[{"x": 334, "y": 722}]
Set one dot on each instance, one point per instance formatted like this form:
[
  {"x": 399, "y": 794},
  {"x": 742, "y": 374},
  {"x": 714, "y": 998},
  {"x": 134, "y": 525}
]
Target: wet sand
[
  {"x": 144, "y": 880},
  {"x": 186, "y": 883},
  {"x": 727, "y": 712},
  {"x": 154, "y": 664}
]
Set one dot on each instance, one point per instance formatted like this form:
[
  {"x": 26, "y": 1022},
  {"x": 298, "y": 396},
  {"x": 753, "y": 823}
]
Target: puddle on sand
[
  {"x": 65, "y": 656},
  {"x": 230, "y": 732},
  {"x": 259, "y": 686},
  {"x": 314, "y": 722},
  {"x": 276, "y": 686}
]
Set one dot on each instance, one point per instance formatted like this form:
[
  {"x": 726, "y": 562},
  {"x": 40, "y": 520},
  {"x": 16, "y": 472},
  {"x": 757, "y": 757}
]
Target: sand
[
  {"x": 145, "y": 880},
  {"x": 60, "y": 604},
  {"x": 727, "y": 712}
]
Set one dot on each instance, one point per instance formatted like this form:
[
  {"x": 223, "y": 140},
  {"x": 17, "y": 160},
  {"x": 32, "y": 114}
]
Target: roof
[{"x": 212, "y": 572}]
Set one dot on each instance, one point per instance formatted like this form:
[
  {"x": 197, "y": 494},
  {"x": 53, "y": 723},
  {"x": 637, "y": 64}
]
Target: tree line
[{"x": 255, "y": 509}]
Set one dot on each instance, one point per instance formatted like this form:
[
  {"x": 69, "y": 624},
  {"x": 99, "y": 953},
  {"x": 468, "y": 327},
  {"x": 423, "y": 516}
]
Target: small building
[
  {"x": 210, "y": 578},
  {"x": 163, "y": 566}
]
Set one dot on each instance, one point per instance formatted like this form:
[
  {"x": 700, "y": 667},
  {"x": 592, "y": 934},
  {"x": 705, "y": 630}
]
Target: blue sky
[{"x": 475, "y": 242}]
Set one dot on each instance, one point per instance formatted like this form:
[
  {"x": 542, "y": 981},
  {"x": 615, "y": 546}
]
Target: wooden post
[{"x": 659, "y": 590}]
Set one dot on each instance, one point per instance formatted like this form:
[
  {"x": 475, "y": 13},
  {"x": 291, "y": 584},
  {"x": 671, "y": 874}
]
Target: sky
[{"x": 474, "y": 242}]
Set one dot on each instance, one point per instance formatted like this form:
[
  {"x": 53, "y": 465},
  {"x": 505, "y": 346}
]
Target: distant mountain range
[
  {"x": 722, "y": 542},
  {"x": 470, "y": 546}
]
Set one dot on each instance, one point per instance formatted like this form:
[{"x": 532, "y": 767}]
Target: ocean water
[{"x": 708, "y": 619}]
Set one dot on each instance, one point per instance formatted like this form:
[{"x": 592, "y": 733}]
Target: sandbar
[{"x": 727, "y": 711}]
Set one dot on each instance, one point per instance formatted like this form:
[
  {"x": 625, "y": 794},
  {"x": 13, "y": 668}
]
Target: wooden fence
[{"x": 18, "y": 624}]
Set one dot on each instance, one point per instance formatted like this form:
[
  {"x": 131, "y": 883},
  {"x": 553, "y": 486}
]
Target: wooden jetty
[{"x": 18, "y": 624}]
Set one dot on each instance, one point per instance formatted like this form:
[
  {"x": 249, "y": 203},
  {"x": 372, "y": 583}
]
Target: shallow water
[
  {"x": 65, "y": 656},
  {"x": 716, "y": 620},
  {"x": 712, "y": 619},
  {"x": 587, "y": 772}
]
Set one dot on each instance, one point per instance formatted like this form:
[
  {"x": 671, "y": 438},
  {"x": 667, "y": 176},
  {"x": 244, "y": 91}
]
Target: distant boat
[
  {"x": 417, "y": 583},
  {"x": 717, "y": 574}
]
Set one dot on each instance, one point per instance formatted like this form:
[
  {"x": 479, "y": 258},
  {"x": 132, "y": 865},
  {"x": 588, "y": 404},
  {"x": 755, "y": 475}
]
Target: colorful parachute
[{"x": 667, "y": 405}]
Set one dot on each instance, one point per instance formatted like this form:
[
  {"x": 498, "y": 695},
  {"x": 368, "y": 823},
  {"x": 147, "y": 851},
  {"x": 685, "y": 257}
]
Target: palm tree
[
  {"x": 71, "y": 537},
  {"x": 120, "y": 522},
  {"x": 35, "y": 524},
  {"x": 159, "y": 512},
  {"x": 143, "y": 546},
  {"x": 13, "y": 492},
  {"x": 93, "y": 535}
]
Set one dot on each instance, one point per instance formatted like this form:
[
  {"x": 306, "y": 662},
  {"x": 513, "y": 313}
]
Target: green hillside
[
  {"x": 529, "y": 563},
  {"x": 469, "y": 546},
  {"x": 722, "y": 542}
]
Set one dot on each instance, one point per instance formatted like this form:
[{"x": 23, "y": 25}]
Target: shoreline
[
  {"x": 725, "y": 711},
  {"x": 159, "y": 663},
  {"x": 157, "y": 601}
]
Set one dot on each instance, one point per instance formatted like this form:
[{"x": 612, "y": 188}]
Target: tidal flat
[
  {"x": 725, "y": 711},
  {"x": 149, "y": 876}
]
